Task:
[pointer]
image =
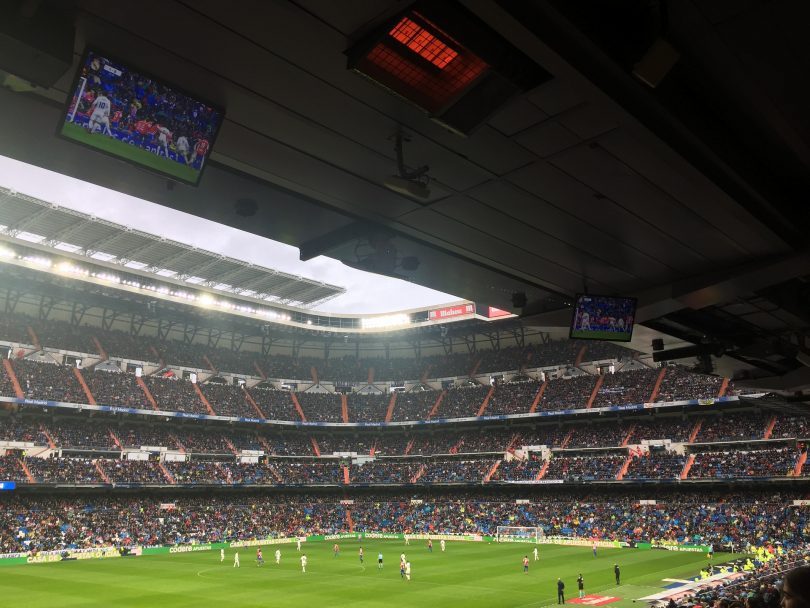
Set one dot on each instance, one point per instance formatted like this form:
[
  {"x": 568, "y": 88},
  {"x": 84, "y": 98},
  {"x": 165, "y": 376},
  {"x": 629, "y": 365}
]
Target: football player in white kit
[
  {"x": 303, "y": 563},
  {"x": 183, "y": 148},
  {"x": 236, "y": 560},
  {"x": 100, "y": 114},
  {"x": 164, "y": 135},
  {"x": 278, "y": 556},
  {"x": 441, "y": 543}
]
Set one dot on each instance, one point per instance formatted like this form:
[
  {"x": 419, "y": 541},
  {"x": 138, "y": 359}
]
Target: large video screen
[
  {"x": 603, "y": 318},
  {"x": 123, "y": 112}
]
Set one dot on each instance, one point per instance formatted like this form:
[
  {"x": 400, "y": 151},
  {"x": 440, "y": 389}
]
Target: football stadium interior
[{"x": 613, "y": 406}]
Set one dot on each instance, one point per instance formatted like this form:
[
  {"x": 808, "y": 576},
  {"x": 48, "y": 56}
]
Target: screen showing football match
[
  {"x": 119, "y": 111},
  {"x": 603, "y": 318}
]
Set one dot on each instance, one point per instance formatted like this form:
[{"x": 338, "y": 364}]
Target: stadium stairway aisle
[
  {"x": 580, "y": 356},
  {"x": 349, "y": 521},
  {"x": 253, "y": 404},
  {"x": 315, "y": 447},
  {"x": 101, "y": 350},
  {"x": 298, "y": 407},
  {"x": 48, "y": 436},
  {"x": 230, "y": 445},
  {"x": 259, "y": 370},
  {"x": 344, "y": 407},
  {"x": 90, "y": 399},
  {"x": 769, "y": 428},
  {"x": 115, "y": 439},
  {"x": 371, "y": 375},
  {"x": 203, "y": 398},
  {"x": 623, "y": 471},
  {"x": 101, "y": 472},
  {"x": 34, "y": 338},
  {"x": 695, "y": 430},
  {"x": 436, "y": 405},
  {"x": 149, "y": 397},
  {"x": 687, "y": 466},
  {"x": 313, "y": 371},
  {"x": 12, "y": 376},
  {"x": 538, "y": 397},
  {"x": 418, "y": 474},
  {"x": 595, "y": 391},
  {"x": 492, "y": 470},
  {"x": 346, "y": 478},
  {"x": 542, "y": 472},
  {"x": 657, "y": 387},
  {"x": 485, "y": 403},
  {"x": 797, "y": 471},
  {"x": 169, "y": 477},
  {"x": 209, "y": 364},
  {"x": 723, "y": 388},
  {"x": 28, "y": 475},
  {"x": 389, "y": 414},
  {"x": 476, "y": 365},
  {"x": 409, "y": 447}
]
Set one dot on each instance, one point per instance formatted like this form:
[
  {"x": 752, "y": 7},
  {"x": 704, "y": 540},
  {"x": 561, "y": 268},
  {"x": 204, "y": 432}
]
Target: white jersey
[
  {"x": 165, "y": 134},
  {"x": 278, "y": 556},
  {"x": 402, "y": 558},
  {"x": 298, "y": 544},
  {"x": 442, "y": 544},
  {"x": 408, "y": 568},
  {"x": 182, "y": 143},
  {"x": 101, "y": 106},
  {"x": 303, "y": 560}
]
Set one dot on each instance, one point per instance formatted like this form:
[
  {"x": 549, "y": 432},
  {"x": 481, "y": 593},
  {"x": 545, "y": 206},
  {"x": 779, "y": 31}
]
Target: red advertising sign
[
  {"x": 494, "y": 313},
  {"x": 594, "y": 600},
  {"x": 451, "y": 311}
]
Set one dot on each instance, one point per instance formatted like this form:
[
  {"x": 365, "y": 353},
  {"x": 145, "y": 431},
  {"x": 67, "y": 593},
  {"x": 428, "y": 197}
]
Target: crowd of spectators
[
  {"x": 32, "y": 522},
  {"x": 584, "y": 468},
  {"x": 633, "y": 386},
  {"x": 512, "y": 398},
  {"x": 368, "y": 408},
  {"x": 385, "y": 472},
  {"x": 415, "y": 405},
  {"x": 733, "y": 427},
  {"x": 47, "y": 381},
  {"x": 466, "y": 470},
  {"x": 656, "y": 465},
  {"x": 598, "y": 435},
  {"x": 461, "y": 402},
  {"x": 228, "y": 400},
  {"x": 767, "y": 462},
  {"x": 133, "y": 471},
  {"x": 681, "y": 383},
  {"x": 273, "y": 403},
  {"x": 321, "y": 407},
  {"x": 567, "y": 393},
  {"x": 115, "y": 388},
  {"x": 519, "y": 470},
  {"x": 67, "y": 470},
  {"x": 175, "y": 394}
]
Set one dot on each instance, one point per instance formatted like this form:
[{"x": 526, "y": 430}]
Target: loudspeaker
[{"x": 656, "y": 63}]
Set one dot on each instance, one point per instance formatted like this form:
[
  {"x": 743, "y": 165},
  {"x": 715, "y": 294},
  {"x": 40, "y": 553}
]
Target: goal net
[{"x": 518, "y": 534}]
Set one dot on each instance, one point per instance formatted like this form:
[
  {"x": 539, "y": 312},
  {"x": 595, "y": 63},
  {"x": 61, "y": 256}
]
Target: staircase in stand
[
  {"x": 313, "y": 371},
  {"x": 409, "y": 447},
  {"x": 373, "y": 449},
  {"x": 580, "y": 356},
  {"x": 629, "y": 435},
  {"x": 485, "y": 403},
  {"x": 90, "y": 399},
  {"x": 177, "y": 442},
  {"x": 492, "y": 470},
  {"x": 797, "y": 470},
  {"x": 12, "y": 376},
  {"x": 101, "y": 472},
  {"x": 158, "y": 357},
  {"x": 389, "y": 413},
  {"x": 115, "y": 439},
  {"x": 344, "y": 407},
  {"x": 769, "y": 428},
  {"x": 268, "y": 449},
  {"x": 101, "y": 351},
  {"x": 298, "y": 407},
  {"x": 424, "y": 377},
  {"x": 231, "y": 446},
  {"x": 723, "y": 388},
  {"x": 657, "y": 387},
  {"x": 475, "y": 367},
  {"x": 209, "y": 364},
  {"x": 48, "y": 436},
  {"x": 436, "y": 405},
  {"x": 252, "y": 402},
  {"x": 225, "y": 473},
  {"x": 203, "y": 398},
  {"x": 419, "y": 474},
  {"x": 315, "y": 447},
  {"x": 567, "y": 439},
  {"x": 34, "y": 338},
  {"x": 147, "y": 393},
  {"x": 595, "y": 391},
  {"x": 542, "y": 472},
  {"x": 28, "y": 475},
  {"x": 346, "y": 477},
  {"x": 275, "y": 473},
  {"x": 695, "y": 430},
  {"x": 349, "y": 521},
  {"x": 166, "y": 473},
  {"x": 538, "y": 397},
  {"x": 259, "y": 371},
  {"x": 687, "y": 466},
  {"x": 371, "y": 375},
  {"x": 623, "y": 471}
]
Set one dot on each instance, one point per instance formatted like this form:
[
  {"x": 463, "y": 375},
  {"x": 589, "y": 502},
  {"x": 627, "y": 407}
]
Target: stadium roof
[{"x": 46, "y": 224}]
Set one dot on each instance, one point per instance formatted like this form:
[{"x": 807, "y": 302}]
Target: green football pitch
[
  {"x": 467, "y": 575},
  {"x": 131, "y": 153}
]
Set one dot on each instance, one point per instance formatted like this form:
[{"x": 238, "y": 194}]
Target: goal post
[{"x": 518, "y": 534}]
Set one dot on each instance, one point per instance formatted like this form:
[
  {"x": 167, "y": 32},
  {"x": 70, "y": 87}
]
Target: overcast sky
[{"x": 367, "y": 293}]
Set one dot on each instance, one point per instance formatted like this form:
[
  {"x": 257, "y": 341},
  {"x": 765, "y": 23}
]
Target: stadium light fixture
[
  {"x": 385, "y": 321},
  {"x": 5, "y": 252}
]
